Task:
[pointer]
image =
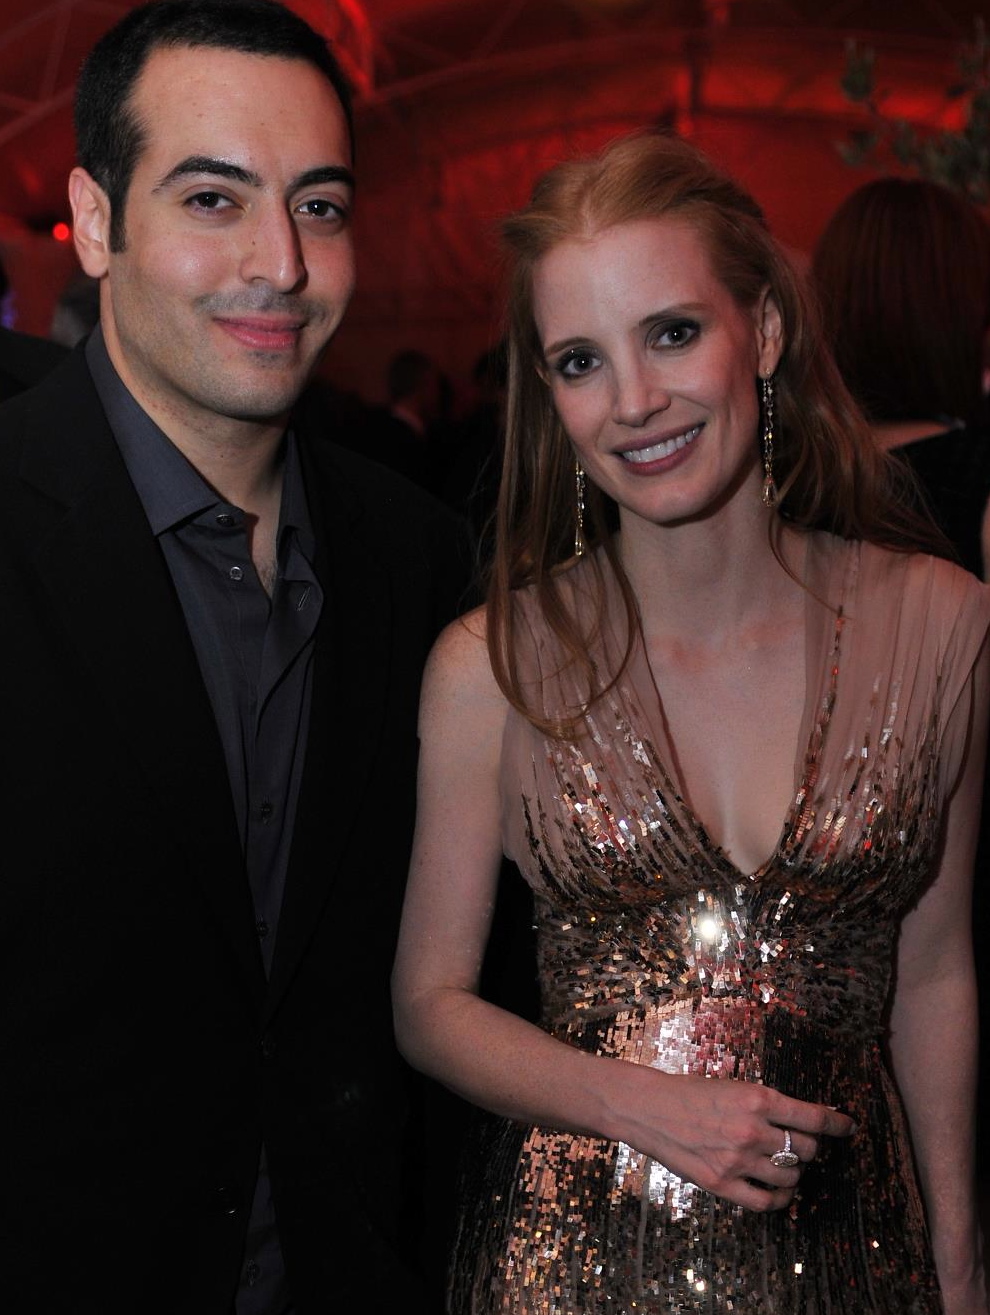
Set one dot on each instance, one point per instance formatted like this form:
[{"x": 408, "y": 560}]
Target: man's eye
[
  {"x": 321, "y": 207},
  {"x": 208, "y": 201}
]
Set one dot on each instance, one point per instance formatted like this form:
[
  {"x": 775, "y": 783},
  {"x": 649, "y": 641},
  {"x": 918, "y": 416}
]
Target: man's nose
[{"x": 274, "y": 252}]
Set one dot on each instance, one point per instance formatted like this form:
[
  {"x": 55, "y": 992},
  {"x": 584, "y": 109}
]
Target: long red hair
[{"x": 830, "y": 473}]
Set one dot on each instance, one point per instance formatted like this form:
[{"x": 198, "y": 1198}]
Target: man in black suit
[{"x": 213, "y": 633}]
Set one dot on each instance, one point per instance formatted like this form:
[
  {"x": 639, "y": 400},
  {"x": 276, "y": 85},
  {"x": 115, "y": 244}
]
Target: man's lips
[
  {"x": 666, "y": 447},
  {"x": 266, "y": 334}
]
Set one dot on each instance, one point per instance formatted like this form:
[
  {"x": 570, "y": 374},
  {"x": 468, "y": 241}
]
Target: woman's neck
[{"x": 709, "y": 580}]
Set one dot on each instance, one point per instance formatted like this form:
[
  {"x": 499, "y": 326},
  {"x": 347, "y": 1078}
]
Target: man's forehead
[
  {"x": 222, "y": 70},
  {"x": 221, "y": 104}
]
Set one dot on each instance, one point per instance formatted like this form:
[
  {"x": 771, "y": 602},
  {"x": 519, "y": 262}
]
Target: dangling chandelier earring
[
  {"x": 579, "y": 527},
  {"x": 769, "y": 487}
]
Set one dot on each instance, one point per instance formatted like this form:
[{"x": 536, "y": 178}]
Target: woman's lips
[{"x": 660, "y": 451}]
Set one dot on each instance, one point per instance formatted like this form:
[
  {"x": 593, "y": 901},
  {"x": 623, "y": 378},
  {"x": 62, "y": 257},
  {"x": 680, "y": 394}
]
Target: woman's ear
[{"x": 769, "y": 332}]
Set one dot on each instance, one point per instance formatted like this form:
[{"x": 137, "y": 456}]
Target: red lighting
[{"x": 61, "y": 232}]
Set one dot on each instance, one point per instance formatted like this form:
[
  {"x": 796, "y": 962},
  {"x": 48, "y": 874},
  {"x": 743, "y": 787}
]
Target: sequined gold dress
[{"x": 654, "y": 948}]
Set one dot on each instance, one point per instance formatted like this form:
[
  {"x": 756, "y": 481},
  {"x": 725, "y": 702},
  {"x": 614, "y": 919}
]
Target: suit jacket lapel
[
  {"x": 107, "y": 580},
  {"x": 351, "y": 667}
]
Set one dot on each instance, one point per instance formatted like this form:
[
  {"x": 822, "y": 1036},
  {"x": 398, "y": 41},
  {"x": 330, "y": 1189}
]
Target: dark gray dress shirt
[{"x": 255, "y": 655}]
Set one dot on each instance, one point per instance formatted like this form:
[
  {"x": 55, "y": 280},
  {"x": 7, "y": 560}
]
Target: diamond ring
[{"x": 785, "y": 1159}]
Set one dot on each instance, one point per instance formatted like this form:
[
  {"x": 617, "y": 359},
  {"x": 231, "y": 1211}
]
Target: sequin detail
[{"x": 654, "y": 948}]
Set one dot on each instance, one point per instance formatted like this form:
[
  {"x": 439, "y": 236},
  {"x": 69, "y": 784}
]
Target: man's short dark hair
[{"x": 109, "y": 137}]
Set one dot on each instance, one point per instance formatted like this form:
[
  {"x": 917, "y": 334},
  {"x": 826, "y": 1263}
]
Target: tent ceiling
[{"x": 397, "y": 49}]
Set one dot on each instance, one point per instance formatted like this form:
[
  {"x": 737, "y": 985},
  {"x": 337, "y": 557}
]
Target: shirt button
[
  {"x": 265, "y": 810},
  {"x": 236, "y": 573},
  {"x": 226, "y": 520},
  {"x": 226, "y": 1200},
  {"x": 252, "y": 1272},
  {"x": 261, "y": 927}
]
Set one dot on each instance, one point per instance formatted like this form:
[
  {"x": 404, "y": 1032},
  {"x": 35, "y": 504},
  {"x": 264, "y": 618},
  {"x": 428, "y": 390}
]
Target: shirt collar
[
  {"x": 170, "y": 488},
  {"x": 294, "y": 511}
]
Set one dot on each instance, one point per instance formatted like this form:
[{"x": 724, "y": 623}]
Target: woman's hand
[{"x": 720, "y": 1134}]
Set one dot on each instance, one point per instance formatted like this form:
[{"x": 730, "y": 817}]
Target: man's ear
[
  {"x": 90, "y": 222},
  {"x": 769, "y": 332}
]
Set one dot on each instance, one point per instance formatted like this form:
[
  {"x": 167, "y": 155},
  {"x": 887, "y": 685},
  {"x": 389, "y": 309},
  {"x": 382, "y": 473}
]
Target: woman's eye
[
  {"x": 576, "y": 363},
  {"x": 675, "y": 335}
]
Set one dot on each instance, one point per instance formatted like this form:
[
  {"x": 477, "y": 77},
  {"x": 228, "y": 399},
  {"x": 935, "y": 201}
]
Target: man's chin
[{"x": 259, "y": 402}]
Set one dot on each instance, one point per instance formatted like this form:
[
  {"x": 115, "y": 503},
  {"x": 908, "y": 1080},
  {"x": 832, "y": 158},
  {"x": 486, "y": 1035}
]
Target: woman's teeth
[{"x": 665, "y": 449}]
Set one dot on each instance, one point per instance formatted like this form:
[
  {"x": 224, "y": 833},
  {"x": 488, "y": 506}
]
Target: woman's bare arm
[{"x": 934, "y": 1033}]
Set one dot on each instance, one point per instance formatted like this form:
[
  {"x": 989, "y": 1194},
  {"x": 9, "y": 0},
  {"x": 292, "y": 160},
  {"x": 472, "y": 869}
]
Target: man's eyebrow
[
  {"x": 326, "y": 173},
  {"x": 205, "y": 164}
]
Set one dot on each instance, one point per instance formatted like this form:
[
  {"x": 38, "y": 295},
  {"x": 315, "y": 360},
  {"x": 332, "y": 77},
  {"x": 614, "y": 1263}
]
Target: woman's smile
[{"x": 663, "y": 448}]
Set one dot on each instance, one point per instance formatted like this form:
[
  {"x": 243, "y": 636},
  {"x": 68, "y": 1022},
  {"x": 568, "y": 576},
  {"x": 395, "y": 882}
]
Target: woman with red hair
[{"x": 729, "y": 722}]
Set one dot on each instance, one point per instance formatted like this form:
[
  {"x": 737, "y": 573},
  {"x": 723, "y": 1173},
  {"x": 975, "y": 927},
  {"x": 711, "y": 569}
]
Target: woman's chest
[{"x": 729, "y": 726}]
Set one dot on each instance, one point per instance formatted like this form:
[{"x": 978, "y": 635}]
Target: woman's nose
[{"x": 638, "y": 395}]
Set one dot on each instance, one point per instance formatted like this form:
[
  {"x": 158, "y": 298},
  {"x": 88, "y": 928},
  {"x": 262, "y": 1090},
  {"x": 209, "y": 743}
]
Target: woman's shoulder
[
  {"x": 890, "y": 591},
  {"x": 551, "y": 636},
  {"x": 462, "y": 646},
  {"x": 915, "y": 592},
  {"x": 459, "y": 676},
  {"x": 921, "y": 575},
  {"x": 584, "y": 587}
]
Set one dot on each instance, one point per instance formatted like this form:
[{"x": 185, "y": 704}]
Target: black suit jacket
[
  {"x": 25, "y": 360},
  {"x": 144, "y": 1056}
]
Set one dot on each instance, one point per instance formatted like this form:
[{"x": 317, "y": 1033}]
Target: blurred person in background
[
  {"x": 404, "y": 434},
  {"x": 903, "y": 277},
  {"x": 77, "y": 311},
  {"x": 474, "y": 467},
  {"x": 24, "y": 359}
]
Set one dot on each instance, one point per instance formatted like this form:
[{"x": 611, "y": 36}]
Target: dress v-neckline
[{"x": 822, "y": 656}]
